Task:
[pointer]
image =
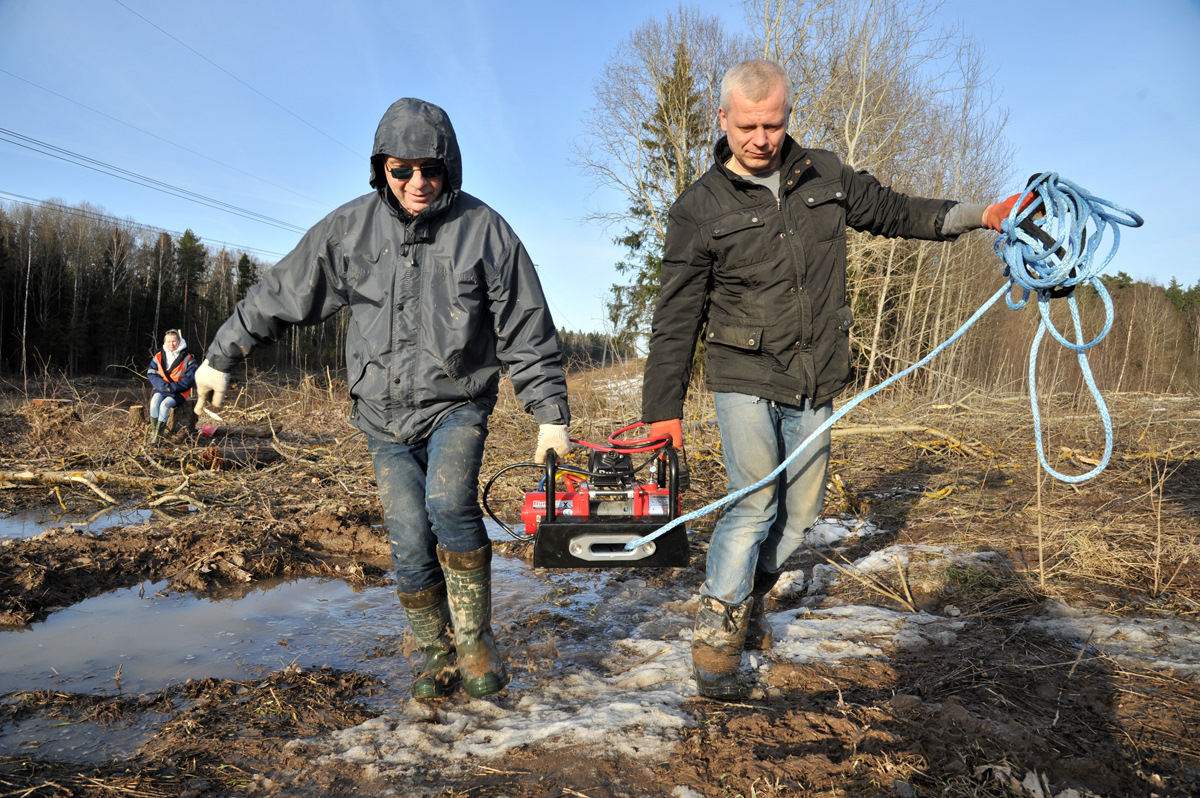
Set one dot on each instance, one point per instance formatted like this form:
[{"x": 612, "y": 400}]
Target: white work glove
[
  {"x": 552, "y": 436},
  {"x": 209, "y": 381}
]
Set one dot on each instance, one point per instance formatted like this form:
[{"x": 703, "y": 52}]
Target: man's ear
[{"x": 724, "y": 122}]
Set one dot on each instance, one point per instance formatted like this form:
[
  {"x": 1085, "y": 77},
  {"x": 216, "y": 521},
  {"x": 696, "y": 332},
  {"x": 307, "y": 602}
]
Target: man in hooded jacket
[{"x": 442, "y": 294}]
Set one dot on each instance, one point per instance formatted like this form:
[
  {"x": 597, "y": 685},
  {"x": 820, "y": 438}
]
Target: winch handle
[
  {"x": 672, "y": 480},
  {"x": 551, "y": 467}
]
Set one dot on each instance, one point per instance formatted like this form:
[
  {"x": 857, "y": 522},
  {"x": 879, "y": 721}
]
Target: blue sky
[{"x": 272, "y": 107}]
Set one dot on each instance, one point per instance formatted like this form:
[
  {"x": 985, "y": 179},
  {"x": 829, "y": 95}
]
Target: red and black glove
[{"x": 671, "y": 428}]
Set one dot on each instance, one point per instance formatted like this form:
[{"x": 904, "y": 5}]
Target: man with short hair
[
  {"x": 442, "y": 295},
  {"x": 755, "y": 255}
]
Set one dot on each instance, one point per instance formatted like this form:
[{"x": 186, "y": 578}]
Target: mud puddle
[
  {"x": 27, "y": 523},
  {"x": 142, "y": 640}
]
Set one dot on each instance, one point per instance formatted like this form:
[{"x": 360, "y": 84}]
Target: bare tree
[
  {"x": 881, "y": 85},
  {"x": 649, "y": 135}
]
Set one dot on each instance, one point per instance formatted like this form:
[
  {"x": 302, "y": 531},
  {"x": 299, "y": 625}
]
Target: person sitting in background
[{"x": 172, "y": 372}]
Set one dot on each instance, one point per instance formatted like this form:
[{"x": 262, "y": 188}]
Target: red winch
[{"x": 603, "y": 507}]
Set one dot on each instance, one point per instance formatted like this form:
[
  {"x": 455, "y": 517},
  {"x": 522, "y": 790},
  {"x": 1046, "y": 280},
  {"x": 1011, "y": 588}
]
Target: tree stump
[{"x": 182, "y": 417}]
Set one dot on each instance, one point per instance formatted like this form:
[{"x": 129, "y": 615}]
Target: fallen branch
[
  {"x": 846, "y": 432},
  {"x": 58, "y": 478}
]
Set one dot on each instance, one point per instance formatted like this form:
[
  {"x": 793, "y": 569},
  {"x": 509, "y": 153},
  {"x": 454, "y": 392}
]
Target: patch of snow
[{"x": 1159, "y": 643}]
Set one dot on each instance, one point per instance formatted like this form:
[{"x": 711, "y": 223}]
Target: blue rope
[{"x": 1062, "y": 211}]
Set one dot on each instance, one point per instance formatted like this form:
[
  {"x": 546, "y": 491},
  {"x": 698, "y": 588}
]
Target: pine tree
[
  {"x": 191, "y": 257},
  {"x": 247, "y": 275},
  {"x": 670, "y": 140}
]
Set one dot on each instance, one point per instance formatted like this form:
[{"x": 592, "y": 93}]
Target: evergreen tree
[
  {"x": 669, "y": 142},
  {"x": 191, "y": 257},
  {"x": 247, "y": 275}
]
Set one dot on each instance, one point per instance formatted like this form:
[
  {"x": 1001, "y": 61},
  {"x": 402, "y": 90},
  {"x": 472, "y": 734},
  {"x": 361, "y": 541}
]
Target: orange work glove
[
  {"x": 672, "y": 428},
  {"x": 996, "y": 213}
]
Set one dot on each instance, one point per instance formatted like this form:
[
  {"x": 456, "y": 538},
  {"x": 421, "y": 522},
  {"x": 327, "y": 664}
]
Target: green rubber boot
[
  {"x": 155, "y": 428},
  {"x": 469, "y": 585},
  {"x": 717, "y": 645},
  {"x": 759, "y": 635},
  {"x": 429, "y": 616}
]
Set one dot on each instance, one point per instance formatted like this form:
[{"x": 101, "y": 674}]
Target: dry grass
[{"x": 1129, "y": 537}]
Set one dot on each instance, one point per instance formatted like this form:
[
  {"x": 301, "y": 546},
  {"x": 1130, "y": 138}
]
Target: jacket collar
[
  {"x": 417, "y": 227},
  {"x": 795, "y": 160}
]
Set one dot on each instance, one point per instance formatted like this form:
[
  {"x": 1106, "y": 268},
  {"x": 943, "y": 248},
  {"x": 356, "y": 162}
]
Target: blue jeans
[
  {"x": 763, "y": 528},
  {"x": 430, "y": 495},
  {"x": 160, "y": 406}
]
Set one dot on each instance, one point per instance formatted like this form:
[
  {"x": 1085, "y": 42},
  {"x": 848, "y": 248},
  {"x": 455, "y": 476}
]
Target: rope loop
[{"x": 1048, "y": 247}]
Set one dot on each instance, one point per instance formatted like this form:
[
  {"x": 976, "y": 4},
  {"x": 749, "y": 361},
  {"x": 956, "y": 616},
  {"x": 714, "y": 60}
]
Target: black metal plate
[{"x": 581, "y": 543}]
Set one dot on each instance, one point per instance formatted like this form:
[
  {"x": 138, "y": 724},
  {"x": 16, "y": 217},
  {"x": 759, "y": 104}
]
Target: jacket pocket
[
  {"x": 738, "y": 238},
  {"x": 825, "y": 201},
  {"x": 739, "y": 336},
  {"x": 457, "y": 371}
]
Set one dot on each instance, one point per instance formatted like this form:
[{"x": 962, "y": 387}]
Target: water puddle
[
  {"x": 138, "y": 641},
  {"x": 27, "y": 523}
]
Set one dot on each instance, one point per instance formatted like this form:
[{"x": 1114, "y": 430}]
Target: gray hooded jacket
[{"x": 438, "y": 302}]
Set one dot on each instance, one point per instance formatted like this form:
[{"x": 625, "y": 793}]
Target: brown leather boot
[
  {"x": 759, "y": 635},
  {"x": 717, "y": 643}
]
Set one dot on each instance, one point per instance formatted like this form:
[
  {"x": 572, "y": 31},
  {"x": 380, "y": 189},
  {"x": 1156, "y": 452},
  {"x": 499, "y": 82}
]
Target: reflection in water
[
  {"x": 27, "y": 523},
  {"x": 139, "y": 640}
]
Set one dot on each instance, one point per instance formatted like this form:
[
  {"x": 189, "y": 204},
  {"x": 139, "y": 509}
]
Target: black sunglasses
[{"x": 429, "y": 171}]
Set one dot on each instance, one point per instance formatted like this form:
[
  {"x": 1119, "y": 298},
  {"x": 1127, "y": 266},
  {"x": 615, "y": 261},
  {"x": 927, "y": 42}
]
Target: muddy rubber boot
[
  {"x": 759, "y": 635},
  {"x": 469, "y": 584},
  {"x": 155, "y": 428},
  {"x": 429, "y": 616},
  {"x": 717, "y": 648}
]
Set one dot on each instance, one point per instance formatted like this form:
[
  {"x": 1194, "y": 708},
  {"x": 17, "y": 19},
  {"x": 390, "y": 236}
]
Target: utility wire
[
  {"x": 239, "y": 80},
  {"x": 104, "y": 217},
  {"x": 75, "y": 158},
  {"x": 160, "y": 138}
]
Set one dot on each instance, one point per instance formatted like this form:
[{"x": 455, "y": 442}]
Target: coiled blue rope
[{"x": 1049, "y": 261}]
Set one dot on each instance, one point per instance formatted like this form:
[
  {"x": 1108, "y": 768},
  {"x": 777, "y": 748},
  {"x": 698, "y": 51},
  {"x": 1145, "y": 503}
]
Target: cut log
[{"x": 231, "y": 456}]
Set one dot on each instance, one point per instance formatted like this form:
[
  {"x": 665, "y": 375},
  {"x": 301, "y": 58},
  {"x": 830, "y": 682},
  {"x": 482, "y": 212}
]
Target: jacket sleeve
[
  {"x": 525, "y": 335},
  {"x": 301, "y": 289},
  {"x": 678, "y": 318},
  {"x": 156, "y": 380},
  {"x": 875, "y": 208}
]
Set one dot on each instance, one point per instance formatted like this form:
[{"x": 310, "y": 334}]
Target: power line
[
  {"x": 104, "y": 217},
  {"x": 61, "y": 154},
  {"x": 160, "y": 138},
  {"x": 239, "y": 80}
]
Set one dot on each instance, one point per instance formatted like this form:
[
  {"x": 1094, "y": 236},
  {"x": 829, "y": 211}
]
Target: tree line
[
  {"x": 880, "y": 84},
  {"x": 84, "y": 293}
]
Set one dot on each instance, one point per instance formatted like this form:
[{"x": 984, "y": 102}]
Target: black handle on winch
[{"x": 551, "y": 467}]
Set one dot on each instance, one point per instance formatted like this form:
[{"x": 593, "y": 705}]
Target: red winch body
[{"x": 639, "y": 501}]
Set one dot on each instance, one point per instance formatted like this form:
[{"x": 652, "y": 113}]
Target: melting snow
[{"x": 629, "y": 695}]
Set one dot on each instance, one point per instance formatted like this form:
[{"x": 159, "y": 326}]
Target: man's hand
[
  {"x": 996, "y": 213},
  {"x": 671, "y": 428},
  {"x": 552, "y": 436},
  {"x": 210, "y": 382}
]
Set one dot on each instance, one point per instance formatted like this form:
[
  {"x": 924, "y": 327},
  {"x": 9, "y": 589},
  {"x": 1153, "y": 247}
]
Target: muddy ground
[{"x": 1003, "y": 711}]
